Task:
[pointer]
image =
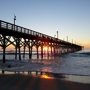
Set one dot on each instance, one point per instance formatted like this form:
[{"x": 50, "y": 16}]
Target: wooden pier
[{"x": 23, "y": 37}]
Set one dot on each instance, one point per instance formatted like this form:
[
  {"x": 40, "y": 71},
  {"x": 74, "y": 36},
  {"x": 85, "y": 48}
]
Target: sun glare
[{"x": 45, "y": 48}]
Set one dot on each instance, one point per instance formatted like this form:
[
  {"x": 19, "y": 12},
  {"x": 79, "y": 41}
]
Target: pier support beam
[
  {"x": 30, "y": 45},
  {"x": 48, "y": 51},
  {"x": 24, "y": 52},
  {"x": 37, "y": 52},
  {"x": 15, "y": 48},
  {"x": 19, "y": 53},
  {"x": 51, "y": 50},
  {"x": 4, "y": 47},
  {"x": 19, "y": 48},
  {"x": 30, "y": 52},
  {"x": 4, "y": 54},
  {"x": 42, "y": 51},
  {"x": 54, "y": 51}
]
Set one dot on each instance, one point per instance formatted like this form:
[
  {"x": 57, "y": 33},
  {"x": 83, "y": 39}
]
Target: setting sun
[{"x": 45, "y": 48}]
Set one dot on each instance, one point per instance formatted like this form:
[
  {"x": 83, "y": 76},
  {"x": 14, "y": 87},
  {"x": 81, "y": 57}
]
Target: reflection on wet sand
[
  {"x": 46, "y": 76},
  {"x": 36, "y": 73},
  {"x": 50, "y": 75}
]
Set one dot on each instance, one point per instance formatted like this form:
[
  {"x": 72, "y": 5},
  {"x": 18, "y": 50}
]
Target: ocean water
[
  {"x": 74, "y": 64},
  {"x": 77, "y": 63}
]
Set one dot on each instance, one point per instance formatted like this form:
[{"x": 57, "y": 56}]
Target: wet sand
[{"x": 28, "y": 82}]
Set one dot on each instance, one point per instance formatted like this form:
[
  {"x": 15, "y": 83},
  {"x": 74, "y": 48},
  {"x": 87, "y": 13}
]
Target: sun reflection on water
[{"x": 47, "y": 69}]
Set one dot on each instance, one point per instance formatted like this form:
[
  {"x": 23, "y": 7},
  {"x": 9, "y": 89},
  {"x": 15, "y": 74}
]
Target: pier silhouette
[{"x": 23, "y": 37}]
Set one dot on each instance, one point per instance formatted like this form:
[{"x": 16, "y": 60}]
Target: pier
[{"x": 20, "y": 37}]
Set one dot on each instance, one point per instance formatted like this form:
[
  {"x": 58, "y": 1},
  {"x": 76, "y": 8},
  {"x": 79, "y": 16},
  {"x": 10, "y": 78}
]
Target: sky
[{"x": 71, "y": 18}]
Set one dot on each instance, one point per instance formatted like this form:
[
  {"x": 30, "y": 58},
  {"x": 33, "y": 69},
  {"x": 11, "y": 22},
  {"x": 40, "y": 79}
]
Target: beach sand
[{"x": 28, "y": 82}]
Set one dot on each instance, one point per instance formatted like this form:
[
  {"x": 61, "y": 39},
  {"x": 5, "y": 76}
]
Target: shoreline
[
  {"x": 67, "y": 77},
  {"x": 28, "y": 82}
]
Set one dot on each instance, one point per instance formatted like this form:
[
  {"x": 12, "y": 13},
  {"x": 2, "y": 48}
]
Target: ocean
[{"x": 72, "y": 65}]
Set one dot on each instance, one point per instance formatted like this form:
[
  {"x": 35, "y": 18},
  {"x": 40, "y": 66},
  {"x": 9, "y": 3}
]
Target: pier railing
[{"x": 17, "y": 28}]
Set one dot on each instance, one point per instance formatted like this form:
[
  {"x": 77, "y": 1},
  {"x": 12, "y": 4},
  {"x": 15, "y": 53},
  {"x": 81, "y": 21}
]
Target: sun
[{"x": 45, "y": 48}]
